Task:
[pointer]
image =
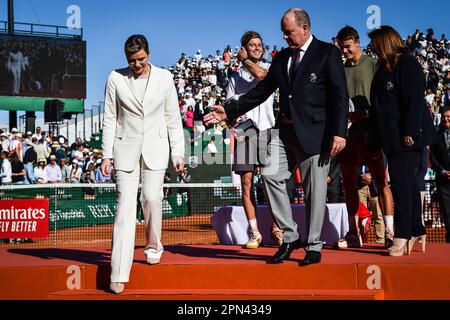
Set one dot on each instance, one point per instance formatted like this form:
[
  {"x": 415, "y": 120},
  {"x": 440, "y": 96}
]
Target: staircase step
[{"x": 218, "y": 294}]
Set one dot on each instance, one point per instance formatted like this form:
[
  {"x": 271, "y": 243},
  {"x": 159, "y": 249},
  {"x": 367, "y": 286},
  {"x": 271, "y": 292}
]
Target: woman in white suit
[{"x": 142, "y": 126}]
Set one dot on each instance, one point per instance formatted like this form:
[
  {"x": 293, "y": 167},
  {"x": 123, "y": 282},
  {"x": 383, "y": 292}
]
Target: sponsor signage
[{"x": 24, "y": 218}]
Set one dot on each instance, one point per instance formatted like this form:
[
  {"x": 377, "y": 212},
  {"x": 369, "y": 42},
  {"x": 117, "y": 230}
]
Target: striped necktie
[{"x": 295, "y": 62}]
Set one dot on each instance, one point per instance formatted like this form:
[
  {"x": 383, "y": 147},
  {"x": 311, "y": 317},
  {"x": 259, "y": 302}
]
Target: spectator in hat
[
  {"x": 53, "y": 171},
  {"x": 16, "y": 145},
  {"x": 42, "y": 150},
  {"x": 40, "y": 172},
  {"x": 5, "y": 170},
  {"x": 5, "y": 142},
  {"x": 29, "y": 137},
  {"x": 189, "y": 102},
  {"x": 212, "y": 78},
  {"x": 65, "y": 170},
  {"x": 91, "y": 163},
  {"x": 75, "y": 172}
]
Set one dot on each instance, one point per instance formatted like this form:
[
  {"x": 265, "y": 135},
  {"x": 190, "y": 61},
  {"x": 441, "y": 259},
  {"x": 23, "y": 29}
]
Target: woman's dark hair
[
  {"x": 388, "y": 45},
  {"x": 136, "y": 43}
]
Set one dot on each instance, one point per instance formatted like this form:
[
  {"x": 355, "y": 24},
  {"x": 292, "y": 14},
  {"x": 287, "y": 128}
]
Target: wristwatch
[{"x": 243, "y": 60}]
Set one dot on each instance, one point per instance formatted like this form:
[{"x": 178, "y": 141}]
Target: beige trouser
[
  {"x": 125, "y": 220},
  {"x": 371, "y": 202}
]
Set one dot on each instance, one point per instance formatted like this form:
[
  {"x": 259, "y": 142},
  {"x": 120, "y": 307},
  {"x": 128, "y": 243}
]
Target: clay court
[{"x": 195, "y": 229}]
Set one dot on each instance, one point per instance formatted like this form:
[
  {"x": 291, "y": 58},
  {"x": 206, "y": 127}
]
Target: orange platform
[{"x": 227, "y": 272}]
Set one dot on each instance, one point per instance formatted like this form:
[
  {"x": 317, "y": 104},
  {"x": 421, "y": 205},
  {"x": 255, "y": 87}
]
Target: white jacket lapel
[{"x": 128, "y": 78}]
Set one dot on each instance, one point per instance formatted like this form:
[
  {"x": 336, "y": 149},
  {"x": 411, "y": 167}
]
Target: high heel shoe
[
  {"x": 399, "y": 248},
  {"x": 413, "y": 240},
  {"x": 117, "y": 287}
]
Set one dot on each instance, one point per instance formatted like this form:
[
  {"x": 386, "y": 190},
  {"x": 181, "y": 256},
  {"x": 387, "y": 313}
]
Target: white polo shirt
[{"x": 242, "y": 82}]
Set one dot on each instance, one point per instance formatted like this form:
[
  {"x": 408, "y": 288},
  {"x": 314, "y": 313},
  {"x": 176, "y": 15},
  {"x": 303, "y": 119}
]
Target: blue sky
[{"x": 174, "y": 26}]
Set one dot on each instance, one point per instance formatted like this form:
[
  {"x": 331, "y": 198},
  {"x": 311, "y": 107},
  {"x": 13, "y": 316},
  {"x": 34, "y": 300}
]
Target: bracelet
[{"x": 243, "y": 60}]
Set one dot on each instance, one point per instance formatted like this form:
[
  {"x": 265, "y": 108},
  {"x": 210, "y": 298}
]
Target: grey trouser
[{"x": 284, "y": 155}]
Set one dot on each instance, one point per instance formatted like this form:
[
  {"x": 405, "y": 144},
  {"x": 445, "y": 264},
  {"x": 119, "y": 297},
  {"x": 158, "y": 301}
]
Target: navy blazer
[
  {"x": 317, "y": 98},
  {"x": 398, "y": 107},
  {"x": 440, "y": 158}
]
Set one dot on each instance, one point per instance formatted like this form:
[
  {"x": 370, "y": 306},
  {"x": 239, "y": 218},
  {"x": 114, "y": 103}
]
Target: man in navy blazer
[
  {"x": 312, "y": 125},
  {"x": 440, "y": 161}
]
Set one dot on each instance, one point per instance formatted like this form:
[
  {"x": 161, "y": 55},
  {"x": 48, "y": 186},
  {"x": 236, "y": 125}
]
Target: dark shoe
[
  {"x": 311, "y": 257},
  {"x": 285, "y": 252}
]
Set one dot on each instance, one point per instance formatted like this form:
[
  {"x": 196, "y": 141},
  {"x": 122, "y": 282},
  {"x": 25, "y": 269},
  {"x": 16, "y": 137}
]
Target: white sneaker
[
  {"x": 153, "y": 256},
  {"x": 255, "y": 241}
]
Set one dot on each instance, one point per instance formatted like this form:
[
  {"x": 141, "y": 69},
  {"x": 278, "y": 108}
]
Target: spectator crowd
[{"x": 40, "y": 157}]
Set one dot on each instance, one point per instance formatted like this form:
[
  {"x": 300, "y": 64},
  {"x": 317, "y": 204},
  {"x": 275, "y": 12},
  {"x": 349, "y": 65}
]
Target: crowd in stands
[
  {"x": 42, "y": 158},
  {"x": 201, "y": 81}
]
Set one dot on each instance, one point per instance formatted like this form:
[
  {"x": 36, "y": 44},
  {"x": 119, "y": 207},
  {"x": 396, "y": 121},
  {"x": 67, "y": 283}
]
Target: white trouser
[{"x": 125, "y": 221}]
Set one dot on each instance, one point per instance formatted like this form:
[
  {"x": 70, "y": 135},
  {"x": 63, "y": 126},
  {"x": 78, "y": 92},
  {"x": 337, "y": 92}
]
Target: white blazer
[{"x": 132, "y": 128}]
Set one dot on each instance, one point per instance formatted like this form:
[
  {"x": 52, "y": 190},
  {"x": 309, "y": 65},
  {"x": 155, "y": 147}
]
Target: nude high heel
[
  {"x": 413, "y": 240},
  {"x": 117, "y": 287},
  {"x": 399, "y": 248}
]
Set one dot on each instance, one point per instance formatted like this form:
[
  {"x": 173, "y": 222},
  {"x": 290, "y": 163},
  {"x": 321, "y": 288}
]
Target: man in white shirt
[
  {"x": 78, "y": 154},
  {"x": 38, "y": 134},
  {"x": 181, "y": 85},
  {"x": 53, "y": 171},
  {"x": 218, "y": 56},
  {"x": 5, "y": 170},
  {"x": 429, "y": 98},
  {"x": 189, "y": 101},
  {"x": 212, "y": 78},
  {"x": 247, "y": 152}
]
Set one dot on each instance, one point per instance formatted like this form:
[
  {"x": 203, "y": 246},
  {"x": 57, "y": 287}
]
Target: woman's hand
[
  {"x": 178, "y": 164},
  {"x": 105, "y": 167}
]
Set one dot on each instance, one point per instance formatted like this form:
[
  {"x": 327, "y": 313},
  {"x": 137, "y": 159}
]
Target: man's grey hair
[{"x": 301, "y": 16}]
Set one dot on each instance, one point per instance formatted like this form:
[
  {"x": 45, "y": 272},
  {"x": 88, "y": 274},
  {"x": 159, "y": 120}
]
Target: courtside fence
[{"x": 83, "y": 214}]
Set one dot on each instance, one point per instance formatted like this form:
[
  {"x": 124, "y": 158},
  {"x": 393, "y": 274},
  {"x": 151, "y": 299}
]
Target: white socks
[
  {"x": 389, "y": 222},
  {"x": 253, "y": 225}
]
